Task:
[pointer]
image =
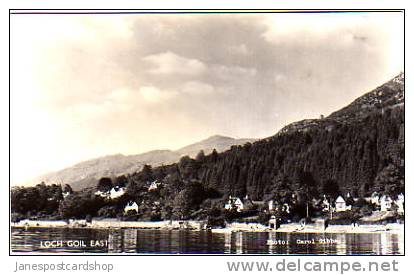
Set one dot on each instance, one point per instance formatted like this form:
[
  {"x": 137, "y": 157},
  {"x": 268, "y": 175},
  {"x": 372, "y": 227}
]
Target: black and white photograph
[{"x": 196, "y": 132}]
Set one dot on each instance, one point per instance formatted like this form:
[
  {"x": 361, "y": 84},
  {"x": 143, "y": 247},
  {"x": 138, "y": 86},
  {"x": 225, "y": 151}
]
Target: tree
[
  {"x": 24, "y": 199},
  {"x": 67, "y": 189},
  {"x": 181, "y": 205},
  {"x": 81, "y": 204},
  {"x": 146, "y": 174},
  {"x": 214, "y": 155},
  {"x": 200, "y": 156},
  {"x": 121, "y": 181},
  {"x": 108, "y": 211},
  {"x": 39, "y": 200},
  {"x": 390, "y": 180},
  {"x": 104, "y": 184},
  {"x": 215, "y": 218},
  {"x": 330, "y": 188},
  {"x": 187, "y": 168}
]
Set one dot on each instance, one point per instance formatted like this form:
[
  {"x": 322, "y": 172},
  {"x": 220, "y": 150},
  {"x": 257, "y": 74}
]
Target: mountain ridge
[
  {"x": 86, "y": 173},
  {"x": 388, "y": 95}
]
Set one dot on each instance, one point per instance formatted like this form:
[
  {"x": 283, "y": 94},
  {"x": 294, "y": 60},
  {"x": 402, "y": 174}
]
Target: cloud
[
  {"x": 150, "y": 94},
  {"x": 96, "y": 85},
  {"x": 170, "y": 63},
  {"x": 240, "y": 49},
  {"x": 231, "y": 72},
  {"x": 198, "y": 88},
  {"x": 153, "y": 94}
]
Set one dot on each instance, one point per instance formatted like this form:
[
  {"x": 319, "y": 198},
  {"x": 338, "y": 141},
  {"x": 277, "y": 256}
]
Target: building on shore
[
  {"x": 234, "y": 202},
  {"x": 117, "y": 192},
  {"x": 243, "y": 204},
  {"x": 326, "y": 205},
  {"x": 114, "y": 193},
  {"x": 400, "y": 203},
  {"x": 154, "y": 186},
  {"x": 340, "y": 205},
  {"x": 273, "y": 222},
  {"x": 131, "y": 206},
  {"x": 386, "y": 203}
]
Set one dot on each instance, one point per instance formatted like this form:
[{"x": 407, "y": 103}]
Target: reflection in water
[
  {"x": 115, "y": 241},
  {"x": 271, "y": 239},
  {"x": 376, "y": 244},
  {"x": 130, "y": 240},
  {"x": 384, "y": 240},
  {"x": 227, "y": 242},
  {"x": 288, "y": 239},
  {"x": 341, "y": 244},
  {"x": 400, "y": 244},
  {"x": 239, "y": 242},
  {"x": 184, "y": 241}
]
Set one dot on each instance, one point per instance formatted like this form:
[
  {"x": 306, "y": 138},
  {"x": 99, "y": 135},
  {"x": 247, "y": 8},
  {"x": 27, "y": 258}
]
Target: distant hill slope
[
  {"x": 220, "y": 143},
  {"x": 386, "y": 96},
  {"x": 87, "y": 173}
]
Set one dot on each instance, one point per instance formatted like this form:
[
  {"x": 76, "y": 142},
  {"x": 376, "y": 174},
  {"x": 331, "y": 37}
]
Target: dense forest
[{"x": 357, "y": 150}]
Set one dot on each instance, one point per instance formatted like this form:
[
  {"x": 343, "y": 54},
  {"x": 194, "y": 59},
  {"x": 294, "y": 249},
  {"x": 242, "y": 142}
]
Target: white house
[
  {"x": 340, "y": 205},
  {"x": 114, "y": 193},
  {"x": 326, "y": 206},
  {"x": 154, "y": 185},
  {"x": 117, "y": 192},
  {"x": 273, "y": 222},
  {"x": 386, "y": 203},
  {"x": 234, "y": 202},
  {"x": 400, "y": 203},
  {"x": 273, "y": 205},
  {"x": 131, "y": 206}
]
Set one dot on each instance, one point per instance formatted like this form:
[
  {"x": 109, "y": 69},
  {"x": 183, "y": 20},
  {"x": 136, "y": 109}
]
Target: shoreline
[{"x": 393, "y": 228}]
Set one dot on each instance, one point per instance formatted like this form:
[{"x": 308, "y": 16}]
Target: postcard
[{"x": 207, "y": 132}]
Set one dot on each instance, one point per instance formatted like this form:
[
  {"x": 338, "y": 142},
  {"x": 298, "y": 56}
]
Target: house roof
[
  {"x": 234, "y": 199},
  {"x": 386, "y": 198},
  {"x": 340, "y": 199}
]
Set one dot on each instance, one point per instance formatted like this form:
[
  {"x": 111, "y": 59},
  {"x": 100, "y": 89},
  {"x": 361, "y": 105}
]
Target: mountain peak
[
  {"x": 218, "y": 142},
  {"x": 218, "y": 137}
]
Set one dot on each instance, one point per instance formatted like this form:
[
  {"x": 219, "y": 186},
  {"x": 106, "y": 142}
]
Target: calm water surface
[{"x": 200, "y": 242}]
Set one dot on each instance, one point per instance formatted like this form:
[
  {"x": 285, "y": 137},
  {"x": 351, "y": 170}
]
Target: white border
[{"x": 191, "y": 264}]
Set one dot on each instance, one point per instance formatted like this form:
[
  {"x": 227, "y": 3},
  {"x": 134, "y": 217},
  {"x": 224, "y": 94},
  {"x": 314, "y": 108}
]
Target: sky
[{"x": 85, "y": 86}]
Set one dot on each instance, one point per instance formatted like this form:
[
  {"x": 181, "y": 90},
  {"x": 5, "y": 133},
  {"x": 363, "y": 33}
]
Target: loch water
[{"x": 144, "y": 241}]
